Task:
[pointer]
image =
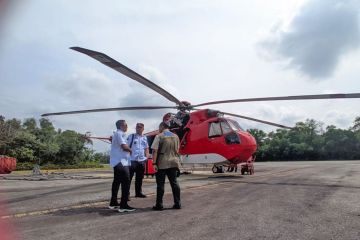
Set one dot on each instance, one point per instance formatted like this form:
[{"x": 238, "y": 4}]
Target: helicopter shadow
[
  {"x": 226, "y": 177},
  {"x": 218, "y": 177}
]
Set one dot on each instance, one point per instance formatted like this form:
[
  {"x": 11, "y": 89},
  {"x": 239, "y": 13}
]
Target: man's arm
[
  {"x": 147, "y": 154},
  {"x": 177, "y": 144},
  {"x": 154, "y": 147},
  {"x": 146, "y": 151},
  {"x": 154, "y": 155},
  {"x": 126, "y": 148},
  {"x": 123, "y": 143}
]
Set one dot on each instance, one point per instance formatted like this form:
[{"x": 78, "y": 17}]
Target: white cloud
[
  {"x": 317, "y": 36},
  {"x": 86, "y": 87}
]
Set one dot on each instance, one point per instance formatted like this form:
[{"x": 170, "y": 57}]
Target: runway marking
[{"x": 49, "y": 211}]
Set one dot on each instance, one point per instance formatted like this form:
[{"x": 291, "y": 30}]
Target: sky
[{"x": 199, "y": 51}]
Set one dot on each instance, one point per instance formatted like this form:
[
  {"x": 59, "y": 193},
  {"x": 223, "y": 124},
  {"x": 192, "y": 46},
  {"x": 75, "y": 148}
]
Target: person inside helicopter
[{"x": 177, "y": 122}]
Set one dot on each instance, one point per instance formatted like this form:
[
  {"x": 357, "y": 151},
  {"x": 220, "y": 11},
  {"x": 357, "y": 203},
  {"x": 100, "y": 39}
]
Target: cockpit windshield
[{"x": 234, "y": 125}]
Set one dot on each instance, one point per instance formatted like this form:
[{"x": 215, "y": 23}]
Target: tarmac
[{"x": 283, "y": 200}]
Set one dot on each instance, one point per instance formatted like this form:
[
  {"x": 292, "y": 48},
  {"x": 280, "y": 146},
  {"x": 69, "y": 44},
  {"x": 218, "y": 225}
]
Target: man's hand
[
  {"x": 147, "y": 154},
  {"x": 156, "y": 168},
  {"x": 126, "y": 148}
]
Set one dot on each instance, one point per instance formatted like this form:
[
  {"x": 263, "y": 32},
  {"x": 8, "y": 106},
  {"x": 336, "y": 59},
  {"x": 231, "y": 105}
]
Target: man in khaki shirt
[{"x": 166, "y": 160}]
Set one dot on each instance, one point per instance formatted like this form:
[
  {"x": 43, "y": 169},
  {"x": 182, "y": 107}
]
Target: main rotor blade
[
  {"x": 256, "y": 120},
  {"x": 108, "y": 61},
  {"x": 299, "y": 97},
  {"x": 108, "y": 110}
]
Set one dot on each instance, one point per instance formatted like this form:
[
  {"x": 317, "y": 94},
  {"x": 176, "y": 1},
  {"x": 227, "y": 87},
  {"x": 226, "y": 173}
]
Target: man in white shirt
[
  {"x": 120, "y": 161},
  {"x": 140, "y": 152}
]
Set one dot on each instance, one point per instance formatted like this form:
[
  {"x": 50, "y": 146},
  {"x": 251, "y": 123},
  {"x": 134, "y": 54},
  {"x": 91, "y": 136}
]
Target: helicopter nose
[{"x": 248, "y": 143}]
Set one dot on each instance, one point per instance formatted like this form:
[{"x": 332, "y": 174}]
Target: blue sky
[{"x": 198, "y": 50}]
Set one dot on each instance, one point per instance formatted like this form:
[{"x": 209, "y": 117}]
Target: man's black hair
[
  {"x": 119, "y": 123},
  {"x": 164, "y": 125}
]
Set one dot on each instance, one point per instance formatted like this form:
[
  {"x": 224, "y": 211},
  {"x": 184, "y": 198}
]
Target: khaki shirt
[{"x": 167, "y": 146}]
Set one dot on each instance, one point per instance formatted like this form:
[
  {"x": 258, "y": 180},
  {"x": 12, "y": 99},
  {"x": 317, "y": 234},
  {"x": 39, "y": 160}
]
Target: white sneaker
[
  {"x": 112, "y": 207},
  {"x": 126, "y": 209}
]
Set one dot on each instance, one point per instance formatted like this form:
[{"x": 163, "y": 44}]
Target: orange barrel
[{"x": 7, "y": 164}]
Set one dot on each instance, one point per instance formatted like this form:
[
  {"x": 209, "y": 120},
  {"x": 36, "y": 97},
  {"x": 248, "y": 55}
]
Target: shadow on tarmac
[
  {"x": 104, "y": 211},
  {"x": 215, "y": 177}
]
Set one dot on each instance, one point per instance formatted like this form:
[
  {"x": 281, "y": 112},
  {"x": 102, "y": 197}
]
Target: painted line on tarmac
[{"x": 94, "y": 204}]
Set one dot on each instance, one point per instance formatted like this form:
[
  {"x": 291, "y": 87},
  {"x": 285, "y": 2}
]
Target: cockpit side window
[
  {"x": 225, "y": 127},
  {"x": 214, "y": 129}
]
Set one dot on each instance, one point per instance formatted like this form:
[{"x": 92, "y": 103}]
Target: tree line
[
  {"x": 309, "y": 140},
  {"x": 32, "y": 142}
]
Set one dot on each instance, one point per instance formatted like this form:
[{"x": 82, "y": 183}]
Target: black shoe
[
  {"x": 114, "y": 206},
  {"x": 140, "y": 195},
  {"x": 158, "y": 208},
  {"x": 177, "y": 206},
  {"x": 126, "y": 208}
]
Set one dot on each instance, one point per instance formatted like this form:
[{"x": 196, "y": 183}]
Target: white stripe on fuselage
[{"x": 203, "y": 158}]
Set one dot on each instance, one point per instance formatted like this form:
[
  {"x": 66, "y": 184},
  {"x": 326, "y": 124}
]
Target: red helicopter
[{"x": 206, "y": 135}]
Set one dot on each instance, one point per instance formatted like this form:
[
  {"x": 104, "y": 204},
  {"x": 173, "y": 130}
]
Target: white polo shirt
[
  {"x": 117, "y": 154},
  {"x": 138, "y": 145}
]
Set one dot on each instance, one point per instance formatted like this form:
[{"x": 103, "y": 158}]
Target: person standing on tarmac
[
  {"x": 120, "y": 161},
  {"x": 166, "y": 161},
  {"x": 140, "y": 152}
]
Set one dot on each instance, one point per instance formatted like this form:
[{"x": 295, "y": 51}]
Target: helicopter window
[
  {"x": 225, "y": 127},
  {"x": 235, "y": 125},
  {"x": 214, "y": 129}
]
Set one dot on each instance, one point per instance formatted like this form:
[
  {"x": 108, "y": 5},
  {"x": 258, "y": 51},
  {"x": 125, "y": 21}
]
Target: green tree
[
  {"x": 71, "y": 145},
  {"x": 340, "y": 144},
  {"x": 8, "y": 130},
  {"x": 259, "y": 135},
  {"x": 47, "y": 136},
  {"x": 356, "y": 126},
  {"x": 30, "y": 125},
  {"x": 306, "y": 140},
  {"x": 102, "y": 157},
  {"x": 25, "y": 147}
]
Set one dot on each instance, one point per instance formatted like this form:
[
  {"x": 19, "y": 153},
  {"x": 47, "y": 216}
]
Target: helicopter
[{"x": 206, "y": 136}]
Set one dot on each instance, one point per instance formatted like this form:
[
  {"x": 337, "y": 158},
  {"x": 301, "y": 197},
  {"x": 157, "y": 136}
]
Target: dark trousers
[
  {"x": 137, "y": 168},
  {"x": 171, "y": 173},
  {"x": 121, "y": 176}
]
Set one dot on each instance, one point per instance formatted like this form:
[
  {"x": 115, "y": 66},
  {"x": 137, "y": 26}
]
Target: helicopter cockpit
[{"x": 226, "y": 127}]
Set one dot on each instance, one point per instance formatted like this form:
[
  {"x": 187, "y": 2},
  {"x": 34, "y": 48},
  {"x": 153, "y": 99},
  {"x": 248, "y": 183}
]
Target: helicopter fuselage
[{"x": 208, "y": 137}]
